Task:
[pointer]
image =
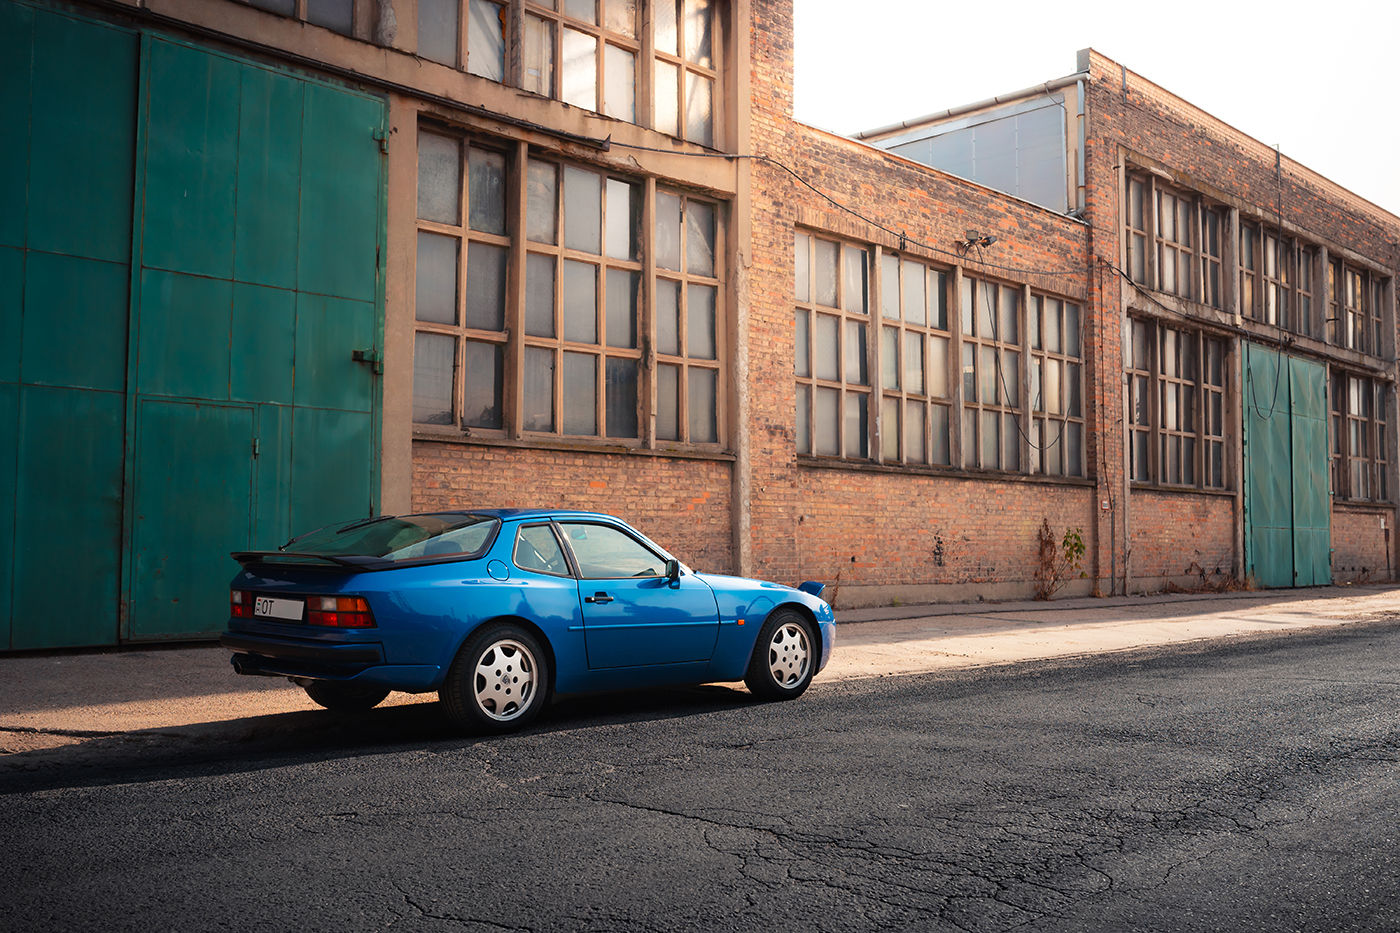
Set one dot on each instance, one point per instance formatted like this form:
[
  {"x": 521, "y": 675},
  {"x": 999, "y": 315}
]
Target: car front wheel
[
  {"x": 499, "y": 681},
  {"x": 784, "y": 658},
  {"x": 345, "y": 698}
]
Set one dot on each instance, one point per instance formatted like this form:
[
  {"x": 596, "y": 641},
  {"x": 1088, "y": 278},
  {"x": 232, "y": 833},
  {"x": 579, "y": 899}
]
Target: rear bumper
[{"x": 309, "y": 660}]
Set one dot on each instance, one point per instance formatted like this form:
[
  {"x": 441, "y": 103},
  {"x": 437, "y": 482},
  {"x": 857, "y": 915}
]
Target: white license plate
[{"x": 267, "y": 607}]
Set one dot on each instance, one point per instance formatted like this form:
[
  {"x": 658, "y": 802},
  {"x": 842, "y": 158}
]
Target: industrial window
[
  {"x": 335, "y": 15},
  {"x": 1183, "y": 233},
  {"x": 1355, "y": 308},
  {"x": 831, "y": 360},
  {"x": 1359, "y": 438},
  {"x": 916, "y": 395},
  {"x": 1056, "y": 387},
  {"x": 991, "y": 374},
  {"x": 1176, "y": 407},
  {"x": 538, "y": 331},
  {"x": 593, "y": 54},
  {"x": 1276, "y": 277}
]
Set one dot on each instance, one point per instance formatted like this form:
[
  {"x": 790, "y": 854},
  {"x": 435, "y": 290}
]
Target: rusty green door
[
  {"x": 260, "y": 200},
  {"x": 1287, "y": 508}
]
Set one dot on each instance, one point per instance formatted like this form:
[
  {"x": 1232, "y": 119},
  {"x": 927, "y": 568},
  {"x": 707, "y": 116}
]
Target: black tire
[
  {"x": 499, "y": 682},
  {"x": 345, "y": 698},
  {"x": 784, "y": 657}
]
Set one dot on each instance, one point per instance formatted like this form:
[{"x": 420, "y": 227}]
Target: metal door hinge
[
  {"x": 382, "y": 138},
  {"x": 257, "y": 447},
  {"x": 371, "y": 356}
]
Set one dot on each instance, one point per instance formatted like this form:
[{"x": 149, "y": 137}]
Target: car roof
[{"x": 515, "y": 514}]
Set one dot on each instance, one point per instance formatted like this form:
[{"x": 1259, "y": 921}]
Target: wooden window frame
[
  {"x": 1200, "y": 392},
  {"x": 1359, "y": 407},
  {"x": 895, "y": 318},
  {"x": 850, "y": 445}
]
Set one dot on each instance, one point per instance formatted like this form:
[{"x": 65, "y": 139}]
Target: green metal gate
[
  {"x": 189, "y": 259},
  {"x": 1287, "y": 508}
]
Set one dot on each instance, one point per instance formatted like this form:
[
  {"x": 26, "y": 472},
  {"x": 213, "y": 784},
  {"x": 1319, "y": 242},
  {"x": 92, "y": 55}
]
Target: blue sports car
[{"x": 500, "y": 609}]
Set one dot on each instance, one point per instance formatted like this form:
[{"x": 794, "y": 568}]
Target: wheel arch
[
  {"x": 811, "y": 617},
  {"x": 545, "y": 644}
]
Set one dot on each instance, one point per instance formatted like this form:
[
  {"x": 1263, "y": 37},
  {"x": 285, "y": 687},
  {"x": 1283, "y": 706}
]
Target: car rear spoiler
[
  {"x": 248, "y": 558},
  {"x": 813, "y": 587}
]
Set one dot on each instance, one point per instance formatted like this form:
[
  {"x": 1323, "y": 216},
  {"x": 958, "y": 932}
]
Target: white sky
[{"x": 1318, "y": 80}]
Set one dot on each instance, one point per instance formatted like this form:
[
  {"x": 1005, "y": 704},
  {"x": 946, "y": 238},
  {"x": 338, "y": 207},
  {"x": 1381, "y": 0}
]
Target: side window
[
  {"x": 537, "y": 549},
  {"x": 605, "y": 553}
]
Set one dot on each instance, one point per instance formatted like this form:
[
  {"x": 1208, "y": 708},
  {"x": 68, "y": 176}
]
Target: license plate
[{"x": 268, "y": 607}]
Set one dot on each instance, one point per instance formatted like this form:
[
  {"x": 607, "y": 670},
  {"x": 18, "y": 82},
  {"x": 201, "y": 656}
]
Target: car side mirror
[{"x": 673, "y": 570}]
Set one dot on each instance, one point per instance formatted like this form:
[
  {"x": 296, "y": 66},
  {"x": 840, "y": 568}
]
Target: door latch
[
  {"x": 598, "y": 598},
  {"x": 371, "y": 356}
]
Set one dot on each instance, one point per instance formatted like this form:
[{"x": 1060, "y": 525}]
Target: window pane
[
  {"x": 666, "y": 112},
  {"x": 481, "y": 368},
  {"x": 915, "y": 301},
  {"x": 486, "y": 185},
  {"x": 1050, "y": 387},
  {"x": 1010, "y": 443},
  {"x": 826, "y": 256},
  {"x": 1009, "y": 380},
  {"x": 804, "y": 416},
  {"x": 541, "y": 201},
  {"x": 622, "y": 311},
  {"x": 586, "y": 10},
  {"x": 486, "y": 286},
  {"x": 539, "y": 389},
  {"x": 699, "y": 238},
  {"x": 486, "y": 46},
  {"x": 914, "y": 432},
  {"x": 938, "y": 300},
  {"x": 583, "y": 211},
  {"x": 666, "y": 31},
  {"x": 620, "y": 89},
  {"x": 965, "y": 307},
  {"x": 624, "y": 217},
  {"x": 938, "y": 367},
  {"x": 938, "y": 425},
  {"x": 856, "y": 371},
  {"x": 889, "y": 357},
  {"x": 1010, "y": 306},
  {"x": 698, "y": 33},
  {"x": 620, "y": 16},
  {"x": 621, "y": 397},
  {"x": 914, "y": 363},
  {"x": 432, "y": 378},
  {"x": 435, "y": 296},
  {"x": 802, "y": 355},
  {"x": 827, "y": 424},
  {"x": 538, "y": 52},
  {"x": 1051, "y": 328},
  {"x": 699, "y": 116},
  {"x": 1072, "y": 329},
  {"x": 969, "y": 379},
  {"x": 700, "y": 321},
  {"x": 438, "y": 31},
  {"x": 704, "y": 425},
  {"x": 986, "y": 375},
  {"x": 336, "y": 15},
  {"x": 825, "y": 347},
  {"x": 853, "y": 279},
  {"x": 1072, "y": 388},
  {"x": 539, "y": 295},
  {"x": 668, "y": 317},
  {"x": 889, "y": 429},
  {"x": 580, "y": 393},
  {"x": 439, "y": 178},
  {"x": 889, "y": 286},
  {"x": 580, "y": 299},
  {"x": 537, "y": 550},
  {"x": 580, "y": 73},
  {"x": 285, "y": 7},
  {"x": 990, "y": 430},
  {"x": 969, "y": 438},
  {"x": 802, "y": 265},
  {"x": 668, "y": 407},
  {"x": 857, "y": 432},
  {"x": 668, "y": 231}
]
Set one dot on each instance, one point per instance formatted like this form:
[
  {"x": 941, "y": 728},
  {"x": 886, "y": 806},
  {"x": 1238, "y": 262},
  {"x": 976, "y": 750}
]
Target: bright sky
[{"x": 1318, "y": 80}]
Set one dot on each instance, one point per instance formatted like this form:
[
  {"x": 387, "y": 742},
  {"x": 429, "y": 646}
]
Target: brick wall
[
  {"x": 682, "y": 504},
  {"x": 1181, "y": 539},
  {"x": 1359, "y": 544}
]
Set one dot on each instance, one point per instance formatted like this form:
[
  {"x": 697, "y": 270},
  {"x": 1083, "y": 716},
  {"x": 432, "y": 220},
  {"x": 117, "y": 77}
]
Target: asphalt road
[{"x": 1249, "y": 786}]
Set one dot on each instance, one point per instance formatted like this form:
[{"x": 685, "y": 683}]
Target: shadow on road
[{"x": 259, "y": 742}]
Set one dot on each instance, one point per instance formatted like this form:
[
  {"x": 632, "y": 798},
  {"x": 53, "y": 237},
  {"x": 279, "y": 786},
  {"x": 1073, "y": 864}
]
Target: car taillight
[
  {"x": 339, "y": 611},
  {"x": 240, "y": 604}
]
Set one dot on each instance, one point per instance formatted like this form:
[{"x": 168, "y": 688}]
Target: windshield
[{"x": 402, "y": 537}]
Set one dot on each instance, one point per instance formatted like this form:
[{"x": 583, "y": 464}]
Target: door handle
[
  {"x": 598, "y": 598},
  {"x": 372, "y": 357}
]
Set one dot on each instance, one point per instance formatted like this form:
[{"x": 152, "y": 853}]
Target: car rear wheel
[
  {"x": 499, "y": 681},
  {"x": 784, "y": 658},
  {"x": 345, "y": 698}
]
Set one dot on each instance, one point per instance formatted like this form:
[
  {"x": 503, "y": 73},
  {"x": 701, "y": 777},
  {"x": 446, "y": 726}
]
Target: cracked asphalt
[{"x": 1242, "y": 786}]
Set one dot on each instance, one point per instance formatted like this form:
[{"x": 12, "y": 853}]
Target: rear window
[{"x": 403, "y": 537}]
